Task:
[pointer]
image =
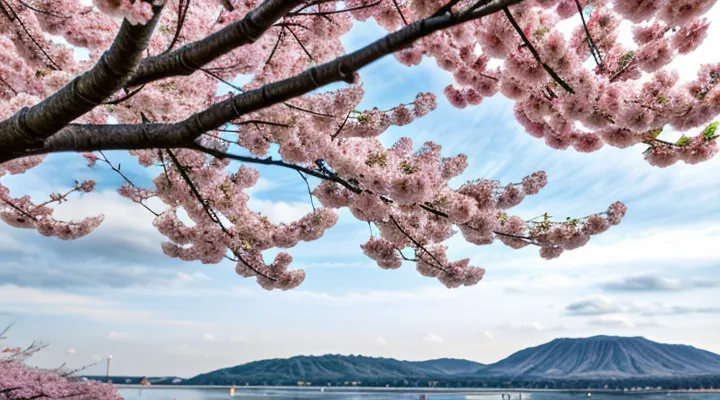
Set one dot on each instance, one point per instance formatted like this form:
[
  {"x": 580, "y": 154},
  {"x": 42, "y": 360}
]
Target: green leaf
[
  {"x": 683, "y": 141},
  {"x": 662, "y": 99},
  {"x": 625, "y": 59},
  {"x": 503, "y": 218},
  {"x": 709, "y": 132}
]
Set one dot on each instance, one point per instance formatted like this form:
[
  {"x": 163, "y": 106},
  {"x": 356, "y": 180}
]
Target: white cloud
[
  {"x": 657, "y": 283},
  {"x": 593, "y": 306},
  {"x": 432, "y": 338},
  {"x": 681, "y": 245},
  {"x": 11, "y": 294},
  {"x": 71, "y": 351},
  {"x": 623, "y": 322},
  {"x": 280, "y": 211},
  {"x": 521, "y": 326},
  {"x": 488, "y": 335},
  {"x": 117, "y": 335},
  {"x": 208, "y": 336},
  {"x": 238, "y": 339},
  {"x": 381, "y": 341}
]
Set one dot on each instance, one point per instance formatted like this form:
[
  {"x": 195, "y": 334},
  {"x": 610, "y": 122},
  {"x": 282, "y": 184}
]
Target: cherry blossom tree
[
  {"x": 150, "y": 86},
  {"x": 18, "y": 381}
]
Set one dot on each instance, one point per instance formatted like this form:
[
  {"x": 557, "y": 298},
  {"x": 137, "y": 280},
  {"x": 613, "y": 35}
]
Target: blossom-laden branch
[
  {"x": 18, "y": 381},
  {"x": 291, "y": 50},
  {"x": 145, "y": 136},
  {"x": 81, "y": 95}
]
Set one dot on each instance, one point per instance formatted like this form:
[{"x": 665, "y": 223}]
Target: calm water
[{"x": 268, "y": 394}]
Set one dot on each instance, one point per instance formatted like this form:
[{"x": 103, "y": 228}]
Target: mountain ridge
[
  {"x": 591, "y": 358},
  {"x": 606, "y": 357}
]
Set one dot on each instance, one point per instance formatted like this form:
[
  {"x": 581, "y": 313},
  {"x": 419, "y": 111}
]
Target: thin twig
[
  {"x": 419, "y": 245},
  {"x": 212, "y": 74},
  {"x": 307, "y": 183},
  {"x": 622, "y": 69},
  {"x": 594, "y": 50},
  {"x": 277, "y": 44},
  {"x": 321, "y": 13},
  {"x": 37, "y": 10},
  {"x": 127, "y": 96},
  {"x": 397, "y": 7},
  {"x": 4, "y": 82},
  {"x": 129, "y": 182},
  {"x": 18, "y": 209},
  {"x": 309, "y": 111},
  {"x": 301, "y": 44},
  {"x": 183, "y": 6},
  {"x": 279, "y": 163},
  {"x": 341, "y": 126},
  {"x": 53, "y": 65},
  {"x": 257, "y": 121},
  {"x": 209, "y": 211},
  {"x": 446, "y": 8},
  {"x": 535, "y": 53}
]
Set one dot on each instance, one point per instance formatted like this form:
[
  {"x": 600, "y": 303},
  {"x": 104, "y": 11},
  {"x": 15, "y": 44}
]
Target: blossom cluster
[
  {"x": 624, "y": 98},
  {"x": 404, "y": 190},
  {"x": 20, "y": 381}
]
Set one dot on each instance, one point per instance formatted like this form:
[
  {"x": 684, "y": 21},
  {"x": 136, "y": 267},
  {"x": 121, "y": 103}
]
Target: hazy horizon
[{"x": 114, "y": 292}]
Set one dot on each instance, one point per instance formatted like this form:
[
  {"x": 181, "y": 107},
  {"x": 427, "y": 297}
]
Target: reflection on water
[{"x": 289, "y": 394}]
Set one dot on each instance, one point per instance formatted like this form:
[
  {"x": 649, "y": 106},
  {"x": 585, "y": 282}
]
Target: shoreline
[{"x": 413, "y": 390}]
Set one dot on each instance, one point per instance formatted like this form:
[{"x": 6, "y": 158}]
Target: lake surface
[{"x": 288, "y": 394}]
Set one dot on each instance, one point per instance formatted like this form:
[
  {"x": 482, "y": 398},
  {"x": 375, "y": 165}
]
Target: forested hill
[{"x": 334, "y": 368}]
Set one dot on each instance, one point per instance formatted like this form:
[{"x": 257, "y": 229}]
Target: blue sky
[{"x": 114, "y": 292}]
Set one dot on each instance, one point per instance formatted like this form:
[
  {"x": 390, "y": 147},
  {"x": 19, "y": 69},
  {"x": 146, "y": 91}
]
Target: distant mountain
[
  {"x": 450, "y": 366},
  {"x": 568, "y": 363},
  {"x": 602, "y": 357},
  {"x": 334, "y": 368}
]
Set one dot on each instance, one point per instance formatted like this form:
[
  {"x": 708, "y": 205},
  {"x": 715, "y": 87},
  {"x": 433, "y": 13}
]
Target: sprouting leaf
[
  {"x": 377, "y": 159},
  {"x": 683, "y": 141},
  {"x": 539, "y": 33},
  {"x": 503, "y": 217},
  {"x": 406, "y": 167},
  {"x": 625, "y": 59},
  {"x": 709, "y": 132}
]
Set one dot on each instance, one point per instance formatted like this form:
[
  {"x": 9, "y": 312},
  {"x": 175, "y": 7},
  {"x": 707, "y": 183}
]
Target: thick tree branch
[
  {"x": 191, "y": 57},
  {"x": 80, "y": 137},
  {"x": 35, "y": 124}
]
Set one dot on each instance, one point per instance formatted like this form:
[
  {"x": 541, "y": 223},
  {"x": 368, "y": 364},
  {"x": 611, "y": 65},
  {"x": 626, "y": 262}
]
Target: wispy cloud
[
  {"x": 622, "y": 322},
  {"x": 521, "y": 326},
  {"x": 117, "y": 336},
  {"x": 606, "y": 306},
  {"x": 593, "y": 306},
  {"x": 432, "y": 338},
  {"x": 657, "y": 283}
]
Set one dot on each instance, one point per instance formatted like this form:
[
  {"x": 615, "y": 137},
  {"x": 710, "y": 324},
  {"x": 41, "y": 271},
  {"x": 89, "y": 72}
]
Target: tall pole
[{"x": 107, "y": 373}]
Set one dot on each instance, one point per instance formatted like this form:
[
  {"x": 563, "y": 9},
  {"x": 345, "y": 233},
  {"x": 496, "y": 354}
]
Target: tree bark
[
  {"x": 193, "y": 56},
  {"x": 79, "y": 137},
  {"x": 33, "y": 125}
]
